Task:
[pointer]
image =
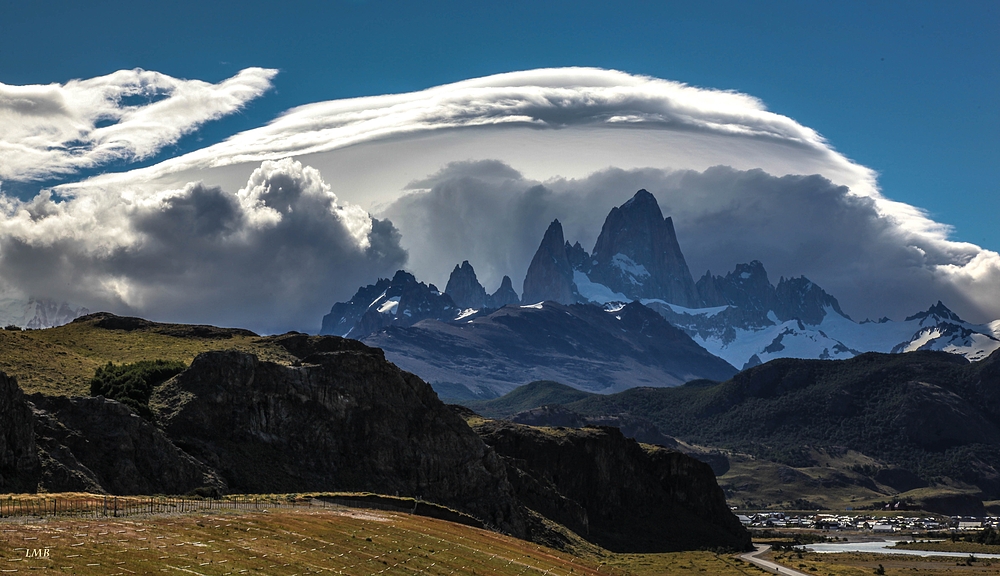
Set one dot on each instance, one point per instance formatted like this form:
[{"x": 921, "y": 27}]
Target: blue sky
[
  {"x": 909, "y": 89},
  {"x": 905, "y": 94}
]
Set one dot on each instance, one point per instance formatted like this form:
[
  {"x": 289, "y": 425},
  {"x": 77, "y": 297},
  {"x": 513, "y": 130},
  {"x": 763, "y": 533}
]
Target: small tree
[{"x": 133, "y": 384}]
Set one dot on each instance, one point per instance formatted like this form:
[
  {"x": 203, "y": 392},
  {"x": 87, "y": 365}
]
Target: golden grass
[
  {"x": 311, "y": 540},
  {"x": 62, "y": 360}
]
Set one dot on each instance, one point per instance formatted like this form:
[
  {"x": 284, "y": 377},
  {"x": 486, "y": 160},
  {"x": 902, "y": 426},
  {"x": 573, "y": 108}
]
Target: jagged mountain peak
[
  {"x": 938, "y": 310},
  {"x": 402, "y": 300},
  {"x": 504, "y": 295},
  {"x": 465, "y": 289},
  {"x": 637, "y": 254},
  {"x": 752, "y": 272},
  {"x": 550, "y": 274}
]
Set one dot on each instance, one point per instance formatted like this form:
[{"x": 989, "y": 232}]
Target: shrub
[{"x": 133, "y": 384}]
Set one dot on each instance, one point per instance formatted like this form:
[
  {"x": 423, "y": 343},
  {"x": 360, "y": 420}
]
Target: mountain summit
[
  {"x": 550, "y": 274},
  {"x": 637, "y": 254}
]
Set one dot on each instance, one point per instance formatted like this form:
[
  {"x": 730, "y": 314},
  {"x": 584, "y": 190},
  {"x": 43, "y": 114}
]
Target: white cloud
[
  {"x": 270, "y": 257},
  {"x": 58, "y": 129}
]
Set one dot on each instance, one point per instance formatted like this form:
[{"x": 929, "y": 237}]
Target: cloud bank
[
  {"x": 490, "y": 214},
  {"x": 60, "y": 129},
  {"x": 175, "y": 241},
  {"x": 269, "y": 257}
]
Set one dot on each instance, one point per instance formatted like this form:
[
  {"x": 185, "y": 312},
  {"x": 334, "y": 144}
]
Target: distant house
[
  {"x": 883, "y": 528},
  {"x": 745, "y": 520},
  {"x": 970, "y": 525}
]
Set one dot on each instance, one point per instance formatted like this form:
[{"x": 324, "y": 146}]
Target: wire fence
[
  {"x": 125, "y": 506},
  {"x": 97, "y": 506}
]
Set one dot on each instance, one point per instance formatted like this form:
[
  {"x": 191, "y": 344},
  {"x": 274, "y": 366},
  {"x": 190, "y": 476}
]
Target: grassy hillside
[
  {"x": 314, "y": 540},
  {"x": 63, "y": 360}
]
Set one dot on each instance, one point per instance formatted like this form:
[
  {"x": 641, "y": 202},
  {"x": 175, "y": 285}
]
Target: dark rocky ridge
[{"x": 613, "y": 491}]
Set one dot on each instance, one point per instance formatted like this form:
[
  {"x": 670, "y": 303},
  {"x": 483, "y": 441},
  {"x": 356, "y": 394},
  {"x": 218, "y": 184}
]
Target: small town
[{"x": 869, "y": 523}]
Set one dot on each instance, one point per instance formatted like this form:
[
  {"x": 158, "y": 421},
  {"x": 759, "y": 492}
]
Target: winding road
[{"x": 767, "y": 565}]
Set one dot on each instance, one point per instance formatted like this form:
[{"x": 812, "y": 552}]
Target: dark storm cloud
[{"x": 273, "y": 257}]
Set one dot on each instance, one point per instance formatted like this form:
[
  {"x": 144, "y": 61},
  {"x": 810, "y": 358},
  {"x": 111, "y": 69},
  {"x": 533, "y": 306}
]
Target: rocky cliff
[
  {"x": 99, "y": 445},
  {"x": 345, "y": 419},
  {"x": 19, "y": 464},
  {"x": 611, "y": 490}
]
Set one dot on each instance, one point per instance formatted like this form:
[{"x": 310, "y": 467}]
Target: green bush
[{"x": 133, "y": 384}]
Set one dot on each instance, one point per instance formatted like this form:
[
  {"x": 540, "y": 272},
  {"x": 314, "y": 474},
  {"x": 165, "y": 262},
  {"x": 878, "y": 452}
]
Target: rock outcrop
[
  {"x": 550, "y": 275},
  {"x": 344, "y": 420},
  {"x": 19, "y": 463},
  {"x": 637, "y": 254},
  {"x": 99, "y": 445},
  {"x": 613, "y": 491}
]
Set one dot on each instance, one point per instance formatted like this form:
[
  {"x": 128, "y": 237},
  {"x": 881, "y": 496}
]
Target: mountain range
[{"x": 740, "y": 317}]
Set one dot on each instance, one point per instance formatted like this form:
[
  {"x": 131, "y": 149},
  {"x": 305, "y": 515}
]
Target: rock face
[
  {"x": 400, "y": 301},
  {"x": 344, "y": 420},
  {"x": 19, "y": 463},
  {"x": 465, "y": 289},
  {"x": 637, "y": 254},
  {"x": 98, "y": 445},
  {"x": 550, "y": 275},
  {"x": 613, "y": 491},
  {"x": 581, "y": 345}
]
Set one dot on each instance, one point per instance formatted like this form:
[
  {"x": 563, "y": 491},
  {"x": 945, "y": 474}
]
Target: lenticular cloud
[{"x": 127, "y": 115}]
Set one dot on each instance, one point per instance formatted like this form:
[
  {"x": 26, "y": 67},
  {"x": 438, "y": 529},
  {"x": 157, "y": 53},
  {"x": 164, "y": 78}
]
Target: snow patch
[
  {"x": 636, "y": 272},
  {"x": 466, "y": 313},
  {"x": 537, "y": 306},
  {"x": 704, "y": 312},
  {"x": 594, "y": 292},
  {"x": 389, "y": 306}
]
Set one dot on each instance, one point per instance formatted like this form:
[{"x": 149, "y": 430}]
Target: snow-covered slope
[
  {"x": 835, "y": 337},
  {"x": 37, "y": 313}
]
